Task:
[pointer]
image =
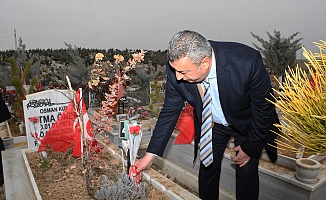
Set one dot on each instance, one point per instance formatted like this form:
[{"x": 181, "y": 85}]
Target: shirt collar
[{"x": 212, "y": 72}]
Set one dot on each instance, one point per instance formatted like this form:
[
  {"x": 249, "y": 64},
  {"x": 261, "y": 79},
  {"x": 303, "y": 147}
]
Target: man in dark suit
[
  {"x": 5, "y": 115},
  {"x": 238, "y": 86}
]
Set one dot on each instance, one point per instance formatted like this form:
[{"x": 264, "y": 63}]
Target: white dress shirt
[{"x": 218, "y": 115}]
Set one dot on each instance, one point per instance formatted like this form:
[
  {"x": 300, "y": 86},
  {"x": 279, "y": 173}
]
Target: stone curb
[
  {"x": 158, "y": 185},
  {"x": 172, "y": 195},
  {"x": 30, "y": 173}
]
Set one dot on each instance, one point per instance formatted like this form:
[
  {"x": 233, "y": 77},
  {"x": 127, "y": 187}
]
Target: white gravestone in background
[{"x": 47, "y": 106}]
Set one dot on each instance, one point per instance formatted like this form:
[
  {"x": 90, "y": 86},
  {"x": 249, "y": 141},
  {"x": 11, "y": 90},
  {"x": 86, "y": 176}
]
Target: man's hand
[
  {"x": 142, "y": 164},
  {"x": 242, "y": 158}
]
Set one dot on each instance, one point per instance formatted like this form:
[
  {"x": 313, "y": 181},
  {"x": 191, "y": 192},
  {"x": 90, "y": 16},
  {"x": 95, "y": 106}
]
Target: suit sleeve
[{"x": 173, "y": 104}]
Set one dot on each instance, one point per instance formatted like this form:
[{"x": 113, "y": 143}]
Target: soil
[{"x": 65, "y": 177}]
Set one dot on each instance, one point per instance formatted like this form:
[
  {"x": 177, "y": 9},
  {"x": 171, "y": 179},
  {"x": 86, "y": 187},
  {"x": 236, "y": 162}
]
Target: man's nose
[{"x": 179, "y": 76}]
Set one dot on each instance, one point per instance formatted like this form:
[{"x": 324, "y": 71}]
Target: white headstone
[{"x": 47, "y": 107}]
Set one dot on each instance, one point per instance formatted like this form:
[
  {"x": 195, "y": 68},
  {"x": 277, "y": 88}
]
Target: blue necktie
[{"x": 205, "y": 145}]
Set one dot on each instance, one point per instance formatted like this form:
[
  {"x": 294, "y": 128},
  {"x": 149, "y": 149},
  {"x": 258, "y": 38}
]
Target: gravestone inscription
[{"x": 41, "y": 110}]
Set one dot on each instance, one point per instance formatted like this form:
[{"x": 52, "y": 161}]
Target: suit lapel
[
  {"x": 223, "y": 75},
  {"x": 223, "y": 81}
]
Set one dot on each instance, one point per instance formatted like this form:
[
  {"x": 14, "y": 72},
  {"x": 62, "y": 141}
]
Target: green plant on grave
[
  {"x": 45, "y": 163},
  {"x": 123, "y": 188},
  {"x": 156, "y": 98},
  {"x": 302, "y": 102}
]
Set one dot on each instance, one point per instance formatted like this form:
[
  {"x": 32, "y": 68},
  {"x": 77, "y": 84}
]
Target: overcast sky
[{"x": 150, "y": 24}]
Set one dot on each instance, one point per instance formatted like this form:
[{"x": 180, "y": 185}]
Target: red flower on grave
[
  {"x": 34, "y": 120},
  {"x": 34, "y": 134},
  {"x": 134, "y": 130}
]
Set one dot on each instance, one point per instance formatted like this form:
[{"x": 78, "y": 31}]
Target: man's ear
[{"x": 207, "y": 62}]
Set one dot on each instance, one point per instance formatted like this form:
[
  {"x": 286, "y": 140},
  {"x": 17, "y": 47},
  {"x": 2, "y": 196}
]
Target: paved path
[{"x": 17, "y": 185}]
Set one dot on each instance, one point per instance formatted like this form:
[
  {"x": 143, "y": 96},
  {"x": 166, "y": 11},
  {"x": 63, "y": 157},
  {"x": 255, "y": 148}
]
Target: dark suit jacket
[
  {"x": 5, "y": 115},
  {"x": 243, "y": 85}
]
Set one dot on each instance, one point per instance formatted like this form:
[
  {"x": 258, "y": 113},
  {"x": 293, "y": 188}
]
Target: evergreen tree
[
  {"x": 25, "y": 62},
  {"x": 17, "y": 78},
  {"x": 77, "y": 72},
  {"x": 142, "y": 79},
  {"x": 279, "y": 53},
  {"x": 4, "y": 76},
  {"x": 21, "y": 53},
  {"x": 157, "y": 98}
]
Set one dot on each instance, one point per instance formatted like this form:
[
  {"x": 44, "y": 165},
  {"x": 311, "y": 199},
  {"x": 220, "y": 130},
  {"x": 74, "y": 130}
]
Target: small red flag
[
  {"x": 38, "y": 87},
  {"x": 67, "y": 130},
  {"x": 78, "y": 146}
]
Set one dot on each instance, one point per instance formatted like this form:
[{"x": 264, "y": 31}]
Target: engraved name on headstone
[{"x": 45, "y": 108}]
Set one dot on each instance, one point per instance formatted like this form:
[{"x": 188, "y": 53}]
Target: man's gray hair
[{"x": 190, "y": 44}]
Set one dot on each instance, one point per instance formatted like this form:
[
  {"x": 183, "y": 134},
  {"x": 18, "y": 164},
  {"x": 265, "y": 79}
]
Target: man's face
[{"x": 187, "y": 71}]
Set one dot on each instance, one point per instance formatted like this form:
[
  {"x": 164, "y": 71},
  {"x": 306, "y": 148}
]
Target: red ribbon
[{"x": 134, "y": 174}]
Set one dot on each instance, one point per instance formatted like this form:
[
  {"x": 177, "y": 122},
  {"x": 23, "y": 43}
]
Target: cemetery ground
[
  {"x": 65, "y": 179},
  {"x": 63, "y": 176},
  {"x": 2, "y": 193}
]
